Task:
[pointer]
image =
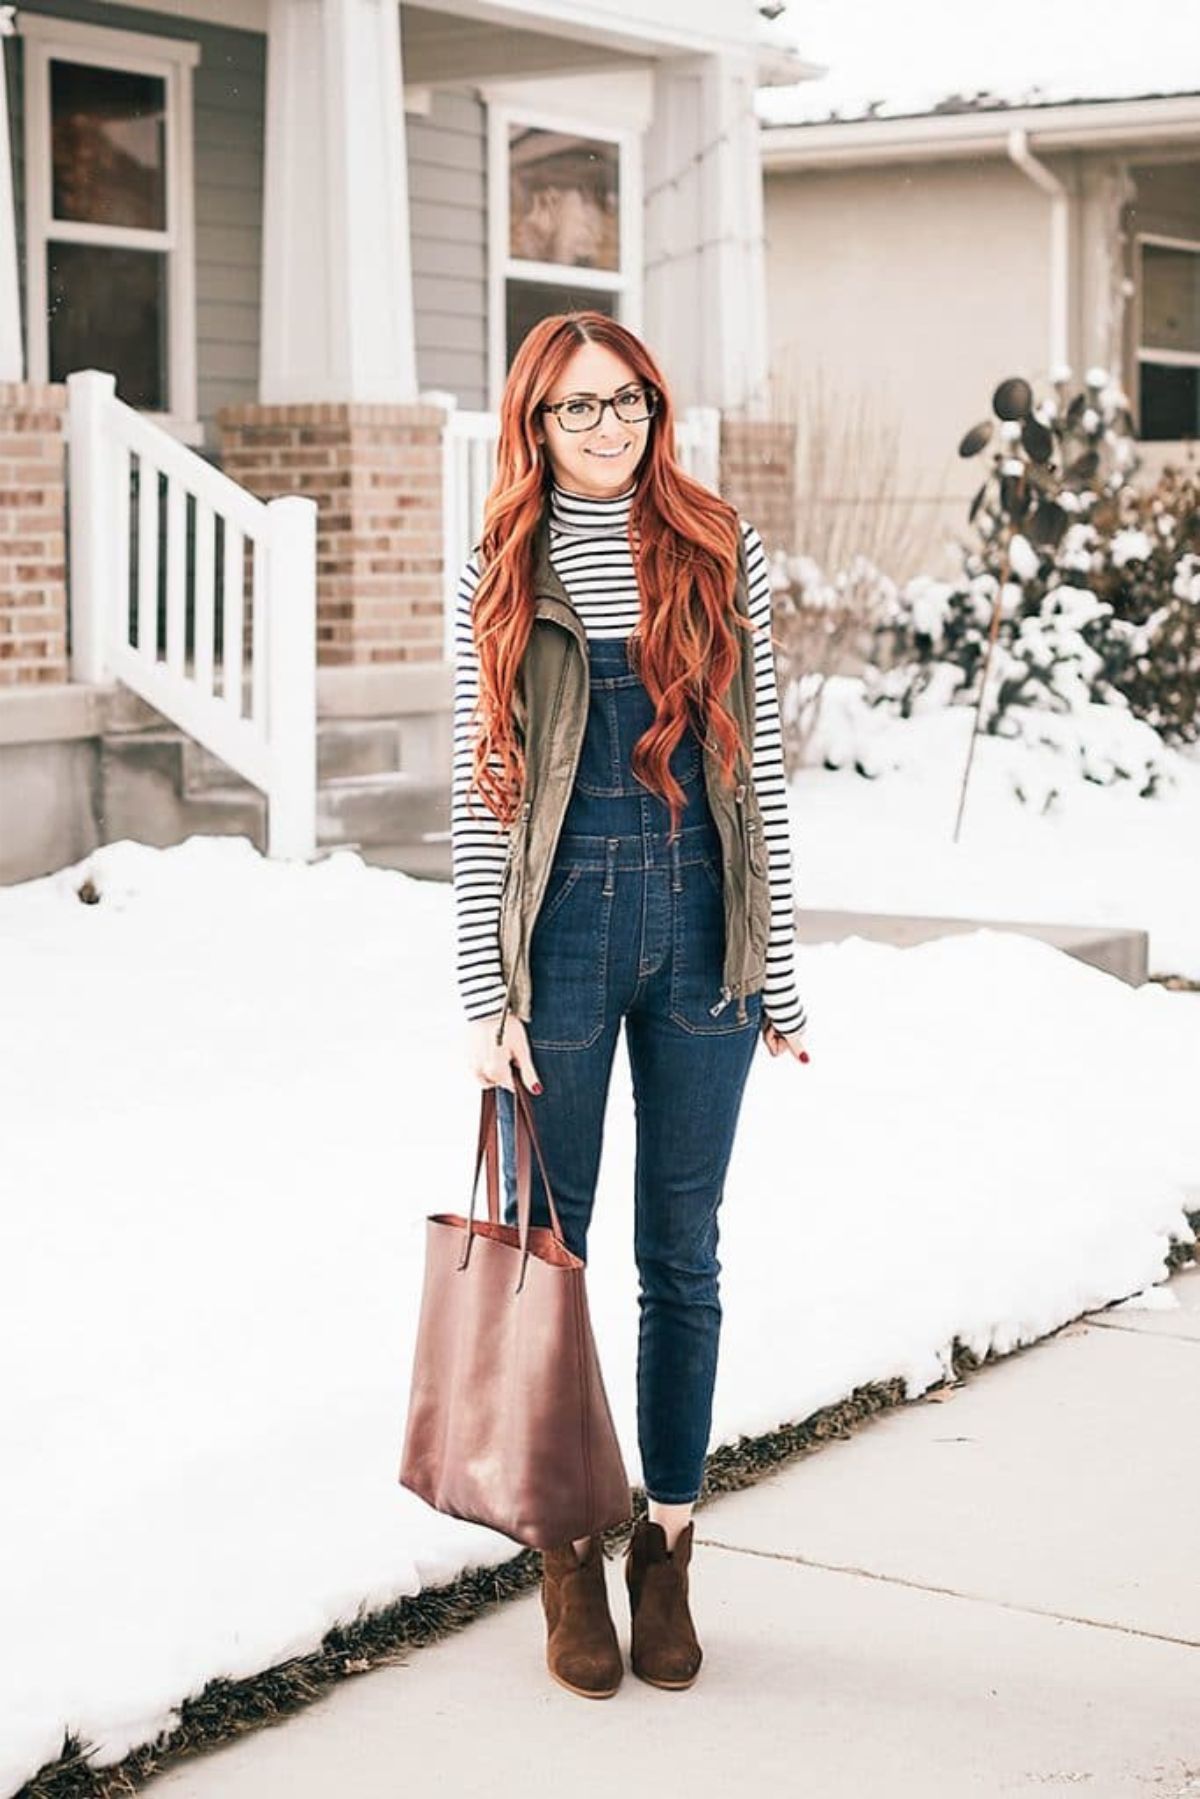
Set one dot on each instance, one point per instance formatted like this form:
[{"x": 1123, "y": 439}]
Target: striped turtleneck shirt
[{"x": 589, "y": 547}]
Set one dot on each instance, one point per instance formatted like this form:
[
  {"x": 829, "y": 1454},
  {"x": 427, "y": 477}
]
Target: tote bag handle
[{"x": 525, "y": 1133}]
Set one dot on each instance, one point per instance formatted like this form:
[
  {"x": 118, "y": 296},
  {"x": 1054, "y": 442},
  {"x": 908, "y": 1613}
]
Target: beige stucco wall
[{"x": 911, "y": 290}]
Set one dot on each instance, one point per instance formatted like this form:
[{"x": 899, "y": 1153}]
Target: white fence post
[
  {"x": 90, "y": 393},
  {"x": 469, "y": 441},
  {"x": 699, "y": 444},
  {"x": 291, "y": 651}
]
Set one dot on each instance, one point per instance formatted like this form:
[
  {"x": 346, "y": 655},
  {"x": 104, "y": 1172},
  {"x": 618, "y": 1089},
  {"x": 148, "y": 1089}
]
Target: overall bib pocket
[
  {"x": 568, "y": 959},
  {"x": 698, "y": 952}
]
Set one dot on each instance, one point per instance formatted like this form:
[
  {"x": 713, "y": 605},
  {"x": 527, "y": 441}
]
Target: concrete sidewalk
[{"x": 991, "y": 1594}]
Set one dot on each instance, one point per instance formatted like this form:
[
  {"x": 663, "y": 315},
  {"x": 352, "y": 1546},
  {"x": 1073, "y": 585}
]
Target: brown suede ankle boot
[
  {"x": 582, "y": 1651},
  {"x": 664, "y": 1648}
]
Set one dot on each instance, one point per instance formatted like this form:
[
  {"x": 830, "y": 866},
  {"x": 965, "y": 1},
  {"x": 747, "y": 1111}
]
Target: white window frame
[
  {"x": 172, "y": 61},
  {"x": 625, "y": 282},
  {"x": 1187, "y": 359}
]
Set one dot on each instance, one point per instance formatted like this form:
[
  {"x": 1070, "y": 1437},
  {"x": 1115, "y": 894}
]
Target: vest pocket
[
  {"x": 758, "y": 849},
  {"x": 511, "y": 894}
]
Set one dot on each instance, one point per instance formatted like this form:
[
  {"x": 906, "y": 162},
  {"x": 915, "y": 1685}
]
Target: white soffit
[{"x": 622, "y": 98}]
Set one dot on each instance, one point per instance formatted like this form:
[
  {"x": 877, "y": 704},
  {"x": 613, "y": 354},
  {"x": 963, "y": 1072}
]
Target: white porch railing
[
  {"x": 698, "y": 444},
  {"x": 469, "y": 460},
  {"x": 468, "y": 464},
  {"x": 219, "y": 632}
]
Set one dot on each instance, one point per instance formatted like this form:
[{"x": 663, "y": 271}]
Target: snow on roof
[{"x": 884, "y": 60}]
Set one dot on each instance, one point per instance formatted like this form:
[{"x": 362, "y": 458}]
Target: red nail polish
[
  {"x": 537, "y": 1086},
  {"x": 804, "y": 1055}
]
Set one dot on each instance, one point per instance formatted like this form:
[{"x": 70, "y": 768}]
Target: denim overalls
[{"x": 633, "y": 927}]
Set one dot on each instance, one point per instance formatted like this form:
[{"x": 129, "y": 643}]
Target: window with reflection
[
  {"x": 108, "y": 309},
  {"x": 1169, "y": 350},
  {"x": 528, "y": 301},
  {"x": 108, "y": 146},
  {"x": 103, "y": 207},
  {"x": 563, "y": 199},
  {"x": 563, "y": 247}
]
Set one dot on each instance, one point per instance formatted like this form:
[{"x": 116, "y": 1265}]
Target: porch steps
[{"x": 159, "y": 786}]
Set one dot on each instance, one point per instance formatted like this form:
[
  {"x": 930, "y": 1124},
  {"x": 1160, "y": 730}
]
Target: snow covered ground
[
  {"x": 1074, "y": 851},
  {"x": 233, "y": 1090}
]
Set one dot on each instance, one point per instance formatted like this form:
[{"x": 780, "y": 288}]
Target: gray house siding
[
  {"x": 447, "y": 153},
  {"x": 229, "y": 94},
  {"x": 447, "y": 191},
  {"x": 230, "y": 122}
]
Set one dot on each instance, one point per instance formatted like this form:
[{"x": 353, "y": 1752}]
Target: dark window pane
[
  {"x": 108, "y": 310},
  {"x": 1170, "y": 402},
  {"x": 108, "y": 146},
  {"x": 563, "y": 196},
  {"x": 1170, "y": 299},
  {"x": 529, "y": 301}
]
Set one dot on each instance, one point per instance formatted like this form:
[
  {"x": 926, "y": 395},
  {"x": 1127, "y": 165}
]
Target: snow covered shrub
[
  {"x": 1148, "y": 569},
  {"x": 1084, "y": 584},
  {"x": 820, "y": 622}
]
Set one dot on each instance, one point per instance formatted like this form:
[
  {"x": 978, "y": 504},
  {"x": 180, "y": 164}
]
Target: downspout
[{"x": 1020, "y": 153}]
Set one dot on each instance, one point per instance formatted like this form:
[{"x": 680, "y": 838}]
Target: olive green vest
[{"x": 551, "y": 713}]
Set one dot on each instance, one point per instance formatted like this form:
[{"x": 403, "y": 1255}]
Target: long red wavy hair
[{"x": 683, "y": 539}]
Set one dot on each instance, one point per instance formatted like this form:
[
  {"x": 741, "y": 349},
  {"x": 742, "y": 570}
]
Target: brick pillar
[
  {"x": 33, "y": 569},
  {"x": 375, "y": 472},
  {"x": 758, "y": 476}
]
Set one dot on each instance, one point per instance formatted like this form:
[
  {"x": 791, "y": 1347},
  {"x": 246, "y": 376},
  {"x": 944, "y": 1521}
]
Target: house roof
[{"x": 1143, "y": 123}]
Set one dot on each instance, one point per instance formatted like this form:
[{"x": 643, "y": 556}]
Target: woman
[{"x": 616, "y": 869}]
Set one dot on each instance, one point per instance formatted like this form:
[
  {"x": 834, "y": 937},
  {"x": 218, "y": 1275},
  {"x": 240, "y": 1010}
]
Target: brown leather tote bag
[{"x": 508, "y": 1420}]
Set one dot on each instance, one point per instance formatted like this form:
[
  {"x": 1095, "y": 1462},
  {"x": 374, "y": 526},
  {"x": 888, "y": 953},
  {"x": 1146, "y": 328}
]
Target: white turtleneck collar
[{"x": 583, "y": 515}]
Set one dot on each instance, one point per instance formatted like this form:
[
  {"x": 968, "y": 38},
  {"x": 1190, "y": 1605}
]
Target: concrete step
[
  {"x": 394, "y": 808},
  {"x": 143, "y": 794},
  {"x": 426, "y": 861},
  {"x": 345, "y": 748},
  {"x": 161, "y": 785}
]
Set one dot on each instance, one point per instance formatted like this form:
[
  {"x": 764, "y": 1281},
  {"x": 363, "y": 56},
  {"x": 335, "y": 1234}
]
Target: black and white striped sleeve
[
  {"x": 781, "y": 1000},
  {"x": 478, "y": 840}
]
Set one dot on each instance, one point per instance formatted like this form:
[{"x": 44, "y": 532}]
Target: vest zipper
[
  {"x": 727, "y": 993},
  {"x": 748, "y": 876}
]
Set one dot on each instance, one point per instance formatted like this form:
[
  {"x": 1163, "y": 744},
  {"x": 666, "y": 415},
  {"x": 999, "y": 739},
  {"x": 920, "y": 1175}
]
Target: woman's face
[{"x": 603, "y": 460}]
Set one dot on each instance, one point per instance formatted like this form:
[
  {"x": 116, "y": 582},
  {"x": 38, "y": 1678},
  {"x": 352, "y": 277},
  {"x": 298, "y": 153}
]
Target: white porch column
[
  {"x": 337, "y": 312},
  {"x": 705, "y": 284},
  {"x": 12, "y": 349}
]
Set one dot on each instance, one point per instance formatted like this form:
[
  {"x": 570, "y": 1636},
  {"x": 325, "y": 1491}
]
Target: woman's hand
[
  {"x": 777, "y": 1042},
  {"x": 491, "y": 1062}
]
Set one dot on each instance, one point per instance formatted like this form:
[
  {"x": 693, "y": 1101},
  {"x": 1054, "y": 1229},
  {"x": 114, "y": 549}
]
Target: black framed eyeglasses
[{"x": 580, "y": 412}]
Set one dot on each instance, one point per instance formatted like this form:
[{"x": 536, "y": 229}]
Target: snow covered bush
[
  {"x": 820, "y": 622},
  {"x": 1148, "y": 569},
  {"x": 1086, "y": 584}
]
